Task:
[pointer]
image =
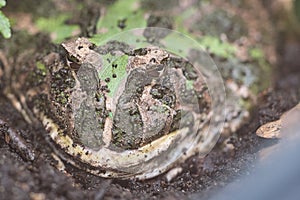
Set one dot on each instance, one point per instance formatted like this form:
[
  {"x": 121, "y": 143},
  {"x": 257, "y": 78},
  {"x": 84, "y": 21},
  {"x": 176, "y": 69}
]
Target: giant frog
[{"x": 132, "y": 114}]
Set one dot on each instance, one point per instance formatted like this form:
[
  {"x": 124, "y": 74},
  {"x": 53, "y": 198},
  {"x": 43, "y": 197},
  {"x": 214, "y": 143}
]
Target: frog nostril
[{"x": 152, "y": 60}]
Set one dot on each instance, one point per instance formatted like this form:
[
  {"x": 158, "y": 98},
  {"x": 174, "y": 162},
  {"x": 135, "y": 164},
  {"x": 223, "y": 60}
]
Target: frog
[
  {"x": 279, "y": 128},
  {"x": 140, "y": 129}
]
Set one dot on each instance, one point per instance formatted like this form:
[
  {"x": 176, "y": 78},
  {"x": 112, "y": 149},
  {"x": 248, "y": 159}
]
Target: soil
[{"x": 21, "y": 178}]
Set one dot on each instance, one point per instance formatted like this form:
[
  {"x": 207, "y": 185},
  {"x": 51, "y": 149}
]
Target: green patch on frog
[
  {"x": 111, "y": 115},
  {"x": 57, "y": 27},
  {"x": 37, "y": 76},
  {"x": 40, "y": 66},
  {"x": 113, "y": 72},
  {"x": 62, "y": 97},
  {"x": 120, "y": 16},
  {"x": 189, "y": 84},
  {"x": 160, "y": 109}
]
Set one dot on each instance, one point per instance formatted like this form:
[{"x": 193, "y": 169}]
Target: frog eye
[
  {"x": 92, "y": 46},
  {"x": 71, "y": 58},
  {"x": 73, "y": 62}
]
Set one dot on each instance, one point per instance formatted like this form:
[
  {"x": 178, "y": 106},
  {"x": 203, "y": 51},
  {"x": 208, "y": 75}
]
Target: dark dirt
[{"x": 39, "y": 179}]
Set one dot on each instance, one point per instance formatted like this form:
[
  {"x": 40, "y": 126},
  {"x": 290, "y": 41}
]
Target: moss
[
  {"x": 256, "y": 53},
  {"x": 215, "y": 46},
  {"x": 264, "y": 77}
]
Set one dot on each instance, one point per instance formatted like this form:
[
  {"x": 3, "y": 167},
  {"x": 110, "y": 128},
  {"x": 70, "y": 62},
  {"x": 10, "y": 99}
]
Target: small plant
[{"x": 4, "y": 22}]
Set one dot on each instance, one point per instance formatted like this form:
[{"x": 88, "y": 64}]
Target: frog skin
[
  {"x": 274, "y": 129},
  {"x": 126, "y": 133}
]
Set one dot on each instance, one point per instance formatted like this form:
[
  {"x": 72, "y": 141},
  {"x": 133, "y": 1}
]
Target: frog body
[{"x": 110, "y": 131}]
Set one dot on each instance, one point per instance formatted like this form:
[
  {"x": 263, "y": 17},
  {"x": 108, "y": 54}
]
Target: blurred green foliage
[
  {"x": 57, "y": 27},
  {"x": 217, "y": 47},
  {"x": 4, "y": 22},
  {"x": 297, "y": 9},
  {"x": 120, "y": 16}
]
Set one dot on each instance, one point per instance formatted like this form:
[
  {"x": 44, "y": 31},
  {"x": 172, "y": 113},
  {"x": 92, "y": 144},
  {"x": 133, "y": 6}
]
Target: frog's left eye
[
  {"x": 73, "y": 62},
  {"x": 71, "y": 58}
]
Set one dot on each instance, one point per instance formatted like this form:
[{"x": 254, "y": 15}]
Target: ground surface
[{"x": 22, "y": 179}]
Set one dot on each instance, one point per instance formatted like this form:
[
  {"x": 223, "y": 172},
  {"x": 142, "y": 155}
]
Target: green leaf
[
  {"x": 2, "y": 3},
  {"x": 121, "y": 10},
  {"x": 57, "y": 27},
  {"x": 4, "y": 26}
]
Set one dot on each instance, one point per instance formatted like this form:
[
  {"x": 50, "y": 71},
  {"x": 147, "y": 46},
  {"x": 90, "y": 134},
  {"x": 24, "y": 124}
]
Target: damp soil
[{"x": 21, "y": 178}]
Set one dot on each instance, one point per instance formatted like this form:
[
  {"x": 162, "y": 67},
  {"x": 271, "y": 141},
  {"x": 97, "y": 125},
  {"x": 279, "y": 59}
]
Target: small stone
[{"x": 173, "y": 173}]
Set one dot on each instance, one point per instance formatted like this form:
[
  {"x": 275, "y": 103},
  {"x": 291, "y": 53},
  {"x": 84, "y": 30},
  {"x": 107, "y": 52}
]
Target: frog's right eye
[{"x": 92, "y": 46}]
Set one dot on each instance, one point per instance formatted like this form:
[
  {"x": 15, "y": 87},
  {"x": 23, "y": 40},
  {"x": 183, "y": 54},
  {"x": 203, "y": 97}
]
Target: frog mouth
[{"x": 110, "y": 163}]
